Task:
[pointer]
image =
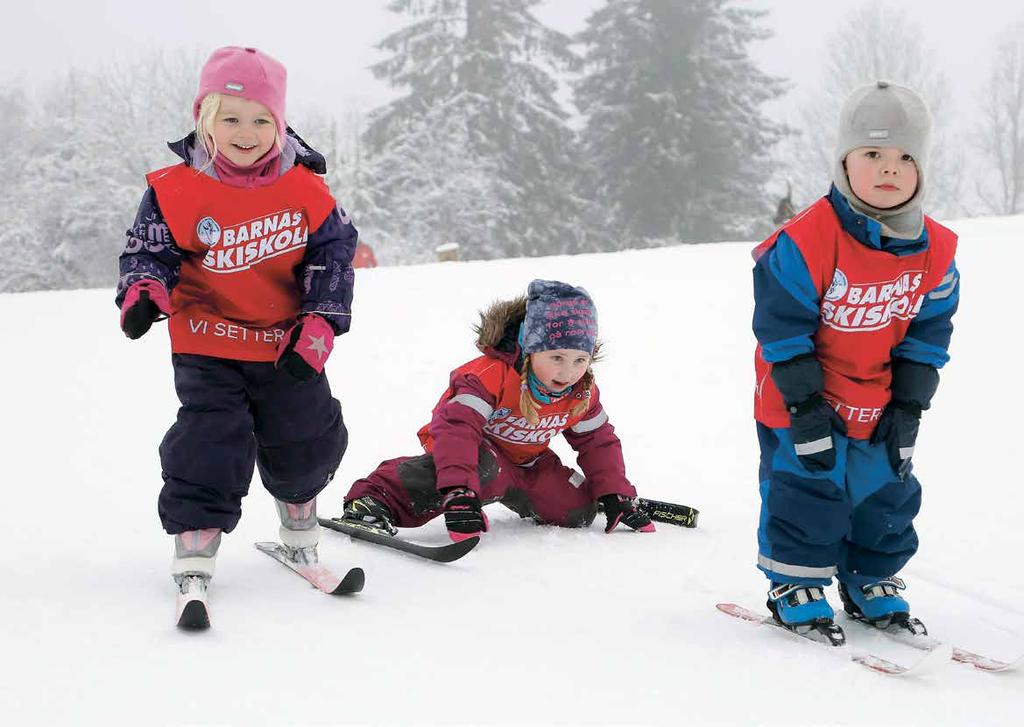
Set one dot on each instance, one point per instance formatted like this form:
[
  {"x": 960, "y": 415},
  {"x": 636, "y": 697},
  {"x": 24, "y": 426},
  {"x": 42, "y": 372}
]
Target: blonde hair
[
  {"x": 529, "y": 407},
  {"x": 204, "y": 124},
  {"x": 208, "y": 110}
]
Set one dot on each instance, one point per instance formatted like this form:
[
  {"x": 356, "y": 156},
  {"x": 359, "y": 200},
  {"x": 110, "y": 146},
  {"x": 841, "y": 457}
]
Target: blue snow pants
[
  {"x": 855, "y": 520},
  {"x": 237, "y": 414}
]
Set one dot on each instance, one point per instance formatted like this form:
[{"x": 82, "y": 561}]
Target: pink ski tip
[
  {"x": 648, "y": 528},
  {"x": 459, "y": 537}
]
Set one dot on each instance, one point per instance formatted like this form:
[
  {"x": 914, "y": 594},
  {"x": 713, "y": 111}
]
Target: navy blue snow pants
[
  {"x": 237, "y": 414},
  {"x": 856, "y": 520}
]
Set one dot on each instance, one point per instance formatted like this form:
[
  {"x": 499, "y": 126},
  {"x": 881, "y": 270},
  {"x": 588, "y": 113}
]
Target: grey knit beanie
[
  {"x": 558, "y": 315},
  {"x": 885, "y": 114}
]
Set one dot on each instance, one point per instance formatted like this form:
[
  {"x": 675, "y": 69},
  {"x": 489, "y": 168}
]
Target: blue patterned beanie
[{"x": 558, "y": 315}]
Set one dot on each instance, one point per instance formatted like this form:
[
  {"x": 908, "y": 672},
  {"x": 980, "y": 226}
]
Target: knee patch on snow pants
[
  {"x": 516, "y": 500},
  {"x": 419, "y": 479}
]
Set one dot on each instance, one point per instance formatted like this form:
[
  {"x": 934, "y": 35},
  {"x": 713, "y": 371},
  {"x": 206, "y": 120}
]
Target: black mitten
[
  {"x": 898, "y": 429},
  {"x": 811, "y": 424},
  {"x": 913, "y": 386},
  {"x": 812, "y": 420},
  {"x": 619, "y": 509},
  {"x": 139, "y": 318},
  {"x": 462, "y": 514}
]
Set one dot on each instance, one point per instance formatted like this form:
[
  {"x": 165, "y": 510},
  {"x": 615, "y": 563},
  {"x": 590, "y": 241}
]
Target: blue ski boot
[
  {"x": 804, "y": 609},
  {"x": 881, "y": 605}
]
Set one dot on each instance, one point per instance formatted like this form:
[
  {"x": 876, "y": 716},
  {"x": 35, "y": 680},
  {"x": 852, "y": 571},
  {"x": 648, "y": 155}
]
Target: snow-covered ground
[{"x": 537, "y": 625}]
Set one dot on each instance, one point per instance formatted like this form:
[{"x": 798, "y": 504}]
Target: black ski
[
  {"x": 436, "y": 553},
  {"x": 668, "y": 512}
]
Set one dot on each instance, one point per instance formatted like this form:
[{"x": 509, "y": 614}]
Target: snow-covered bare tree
[
  {"x": 21, "y": 242},
  {"x": 1002, "y": 140},
  {"x": 676, "y": 141},
  {"x": 90, "y": 141},
  {"x": 340, "y": 141},
  {"x": 477, "y": 149},
  {"x": 876, "y": 41}
]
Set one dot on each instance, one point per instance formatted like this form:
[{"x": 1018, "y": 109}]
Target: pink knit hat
[{"x": 246, "y": 73}]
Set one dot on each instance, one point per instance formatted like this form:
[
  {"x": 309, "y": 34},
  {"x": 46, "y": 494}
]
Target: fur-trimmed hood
[{"x": 497, "y": 334}]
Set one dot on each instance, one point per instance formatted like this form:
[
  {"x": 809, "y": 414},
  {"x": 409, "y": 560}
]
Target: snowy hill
[{"x": 538, "y": 625}]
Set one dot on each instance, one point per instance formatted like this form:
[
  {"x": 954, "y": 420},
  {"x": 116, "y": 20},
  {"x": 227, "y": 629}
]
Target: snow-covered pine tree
[
  {"x": 477, "y": 150},
  {"x": 676, "y": 143}
]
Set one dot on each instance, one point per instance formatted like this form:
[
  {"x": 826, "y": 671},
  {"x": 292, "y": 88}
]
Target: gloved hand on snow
[
  {"x": 305, "y": 347},
  {"x": 145, "y": 302},
  {"x": 621, "y": 509},
  {"x": 463, "y": 515}
]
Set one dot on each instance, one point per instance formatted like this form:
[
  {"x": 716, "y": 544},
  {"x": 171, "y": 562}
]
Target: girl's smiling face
[
  {"x": 882, "y": 177},
  {"x": 559, "y": 368},
  {"x": 243, "y": 130}
]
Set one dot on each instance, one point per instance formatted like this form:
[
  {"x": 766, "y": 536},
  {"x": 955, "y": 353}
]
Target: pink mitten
[
  {"x": 146, "y": 301},
  {"x": 305, "y": 347}
]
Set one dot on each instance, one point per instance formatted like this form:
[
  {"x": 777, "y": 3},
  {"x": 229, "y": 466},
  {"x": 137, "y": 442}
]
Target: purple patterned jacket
[{"x": 325, "y": 277}]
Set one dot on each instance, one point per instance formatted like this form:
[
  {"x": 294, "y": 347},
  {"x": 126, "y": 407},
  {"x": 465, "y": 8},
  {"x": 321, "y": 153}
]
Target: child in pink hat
[{"x": 242, "y": 248}]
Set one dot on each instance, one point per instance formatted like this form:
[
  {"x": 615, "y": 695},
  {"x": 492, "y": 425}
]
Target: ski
[
  {"x": 924, "y": 642},
  {"x": 930, "y": 660},
  {"x": 193, "y": 616},
  {"x": 192, "y": 613},
  {"x": 668, "y": 512},
  {"x": 316, "y": 574},
  {"x": 436, "y": 553}
]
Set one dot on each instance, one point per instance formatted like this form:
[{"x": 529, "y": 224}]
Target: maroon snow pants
[{"x": 545, "y": 490}]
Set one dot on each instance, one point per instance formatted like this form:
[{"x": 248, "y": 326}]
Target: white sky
[{"x": 327, "y": 46}]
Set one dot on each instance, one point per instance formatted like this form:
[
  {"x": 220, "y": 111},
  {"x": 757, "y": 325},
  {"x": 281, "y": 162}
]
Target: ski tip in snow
[
  {"x": 353, "y": 582},
  {"x": 194, "y": 617},
  {"x": 317, "y": 574}
]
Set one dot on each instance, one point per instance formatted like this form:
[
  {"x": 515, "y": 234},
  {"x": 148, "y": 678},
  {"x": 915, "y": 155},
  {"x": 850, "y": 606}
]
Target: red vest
[
  {"x": 868, "y": 299},
  {"x": 237, "y": 292},
  {"x": 507, "y": 429}
]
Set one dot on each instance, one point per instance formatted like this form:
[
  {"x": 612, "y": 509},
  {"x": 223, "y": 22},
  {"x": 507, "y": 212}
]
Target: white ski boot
[{"x": 299, "y": 531}]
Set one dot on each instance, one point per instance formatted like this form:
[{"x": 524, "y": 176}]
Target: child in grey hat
[{"x": 853, "y": 302}]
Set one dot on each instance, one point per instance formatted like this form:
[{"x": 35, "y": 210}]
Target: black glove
[
  {"x": 462, "y": 514},
  {"x": 811, "y": 424},
  {"x": 619, "y": 509},
  {"x": 913, "y": 386},
  {"x": 812, "y": 420},
  {"x": 138, "y": 318},
  {"x": 898, "y": 429}
]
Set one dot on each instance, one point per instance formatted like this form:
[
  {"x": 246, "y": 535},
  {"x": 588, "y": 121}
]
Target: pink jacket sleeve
[
  {"x": 599, "y": 452},
  {"x": 457, "y": 428}
]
